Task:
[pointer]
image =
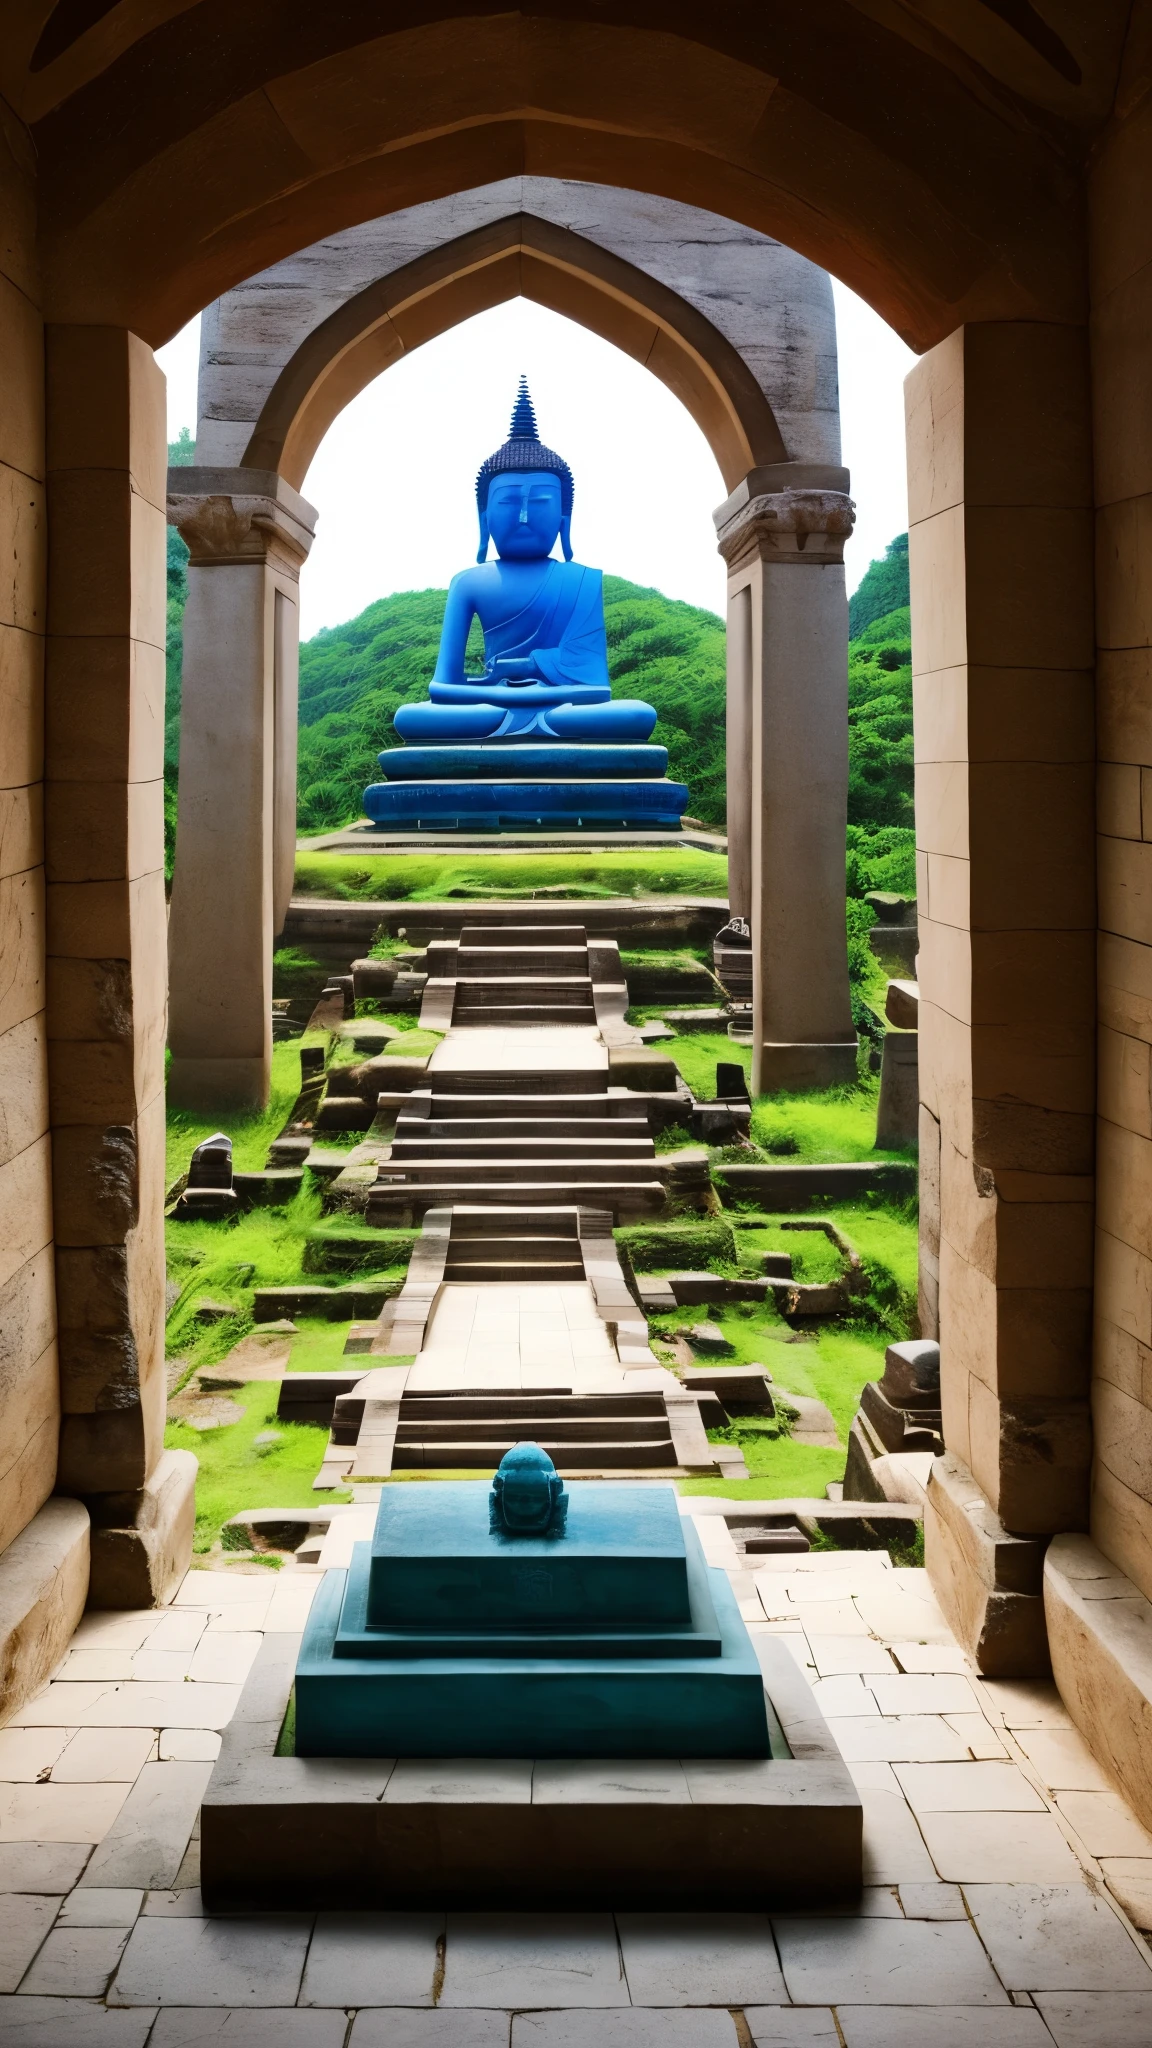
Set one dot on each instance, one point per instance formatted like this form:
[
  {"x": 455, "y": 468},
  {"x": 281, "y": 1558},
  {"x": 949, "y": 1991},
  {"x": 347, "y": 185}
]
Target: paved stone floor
[
  {"x": 503, "y": 1335},
  {"x": 997, "y": 1857}
]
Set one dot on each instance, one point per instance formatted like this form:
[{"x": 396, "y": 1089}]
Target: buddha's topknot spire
[
  {"x": 523, "y": 427},
  {"x": 524, "y": 450}
]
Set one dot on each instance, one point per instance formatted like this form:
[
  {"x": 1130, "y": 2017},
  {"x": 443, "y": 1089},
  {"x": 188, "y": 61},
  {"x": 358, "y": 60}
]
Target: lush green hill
[
  {"x": 353, "y": 678},
  {"x": 883, "y": 588}
]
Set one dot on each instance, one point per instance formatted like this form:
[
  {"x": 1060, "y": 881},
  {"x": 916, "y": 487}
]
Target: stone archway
[
  {"x": 951, "y": 171},
  {"x": 283, "y": 353},
  {"x": 526, "y": 257}
]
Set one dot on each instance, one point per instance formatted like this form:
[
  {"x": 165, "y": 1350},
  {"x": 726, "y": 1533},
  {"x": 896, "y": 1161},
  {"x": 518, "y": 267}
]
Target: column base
[
  {"x": 898, "y": 1110},
  {"x": 988, "y": 1582},
  {"x": 212, "y": 1085},
  {"x": 43, "y": 1587},
  {"x": 792, "y": 1068},
  {"x": 1100, "y": 1626},
  {"x": 142, "y": 1542}
]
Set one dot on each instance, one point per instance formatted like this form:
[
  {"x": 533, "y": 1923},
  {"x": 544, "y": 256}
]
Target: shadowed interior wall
[
  {"x": 1121, "y": 276},
  {"x": 29, "y": 1379}
]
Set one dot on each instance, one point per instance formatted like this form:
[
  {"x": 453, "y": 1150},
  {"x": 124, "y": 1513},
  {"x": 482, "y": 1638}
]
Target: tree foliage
[{"x": 883, "y": 588}]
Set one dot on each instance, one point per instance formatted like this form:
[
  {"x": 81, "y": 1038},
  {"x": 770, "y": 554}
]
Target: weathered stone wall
[
  {"x": 29, "y": 1378},
  {"x": 772, "y": 305},
  {"x": 1121, "y": 279}
]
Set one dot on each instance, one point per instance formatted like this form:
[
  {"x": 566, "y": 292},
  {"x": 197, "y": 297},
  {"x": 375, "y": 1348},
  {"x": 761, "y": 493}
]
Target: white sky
[{"x": 392, "y": 480}]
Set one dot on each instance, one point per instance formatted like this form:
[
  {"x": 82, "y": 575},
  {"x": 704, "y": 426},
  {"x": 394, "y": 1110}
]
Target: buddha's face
[{"x": 524, "y": 514}]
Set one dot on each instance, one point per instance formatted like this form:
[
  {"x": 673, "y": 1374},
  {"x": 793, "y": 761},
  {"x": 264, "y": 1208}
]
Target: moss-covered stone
[
  {"x": 345, "y": 1247},
  {"x": 683, "y": 1243}
]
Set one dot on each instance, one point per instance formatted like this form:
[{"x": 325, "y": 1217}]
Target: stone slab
[
  {"x": 139, "y": 1561},
  {"x": 210, "y": 2027},
  {"x": 43, "y": 1587},
  {"x": 25, "y": 1922},
  {"x": 620, "y": 2029},
  {"x": 886, "y": 1962},
  {"x": 1057, "y": 1938},
  {"x": 146, "y": 1844},
  {"x": 327, "y": 1832},
  {"x": 1100, "y": 1630},
  {"x": 213, "y": 1962},
  {"x": 70, "y": 2023}
]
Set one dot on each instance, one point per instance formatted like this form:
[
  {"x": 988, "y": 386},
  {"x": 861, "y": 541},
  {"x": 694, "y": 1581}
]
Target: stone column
[
  {"x": 105, "y": 966},
  {"x": 248, "y": 533},
  {"x": 782, "y": 535},
  {"x": 738, "y": 751},
  {"x": 1000, "y": 487}
]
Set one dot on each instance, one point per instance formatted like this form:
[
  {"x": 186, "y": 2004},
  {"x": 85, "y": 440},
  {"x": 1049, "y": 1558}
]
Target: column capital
[
  {"x": 802, "y": 524},
  {"x": 230, "y": 516}
]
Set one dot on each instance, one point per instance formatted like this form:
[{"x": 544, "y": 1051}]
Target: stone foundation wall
[
  {"x": 29, "y": 1376},
  {"x": 1122, "y": 356}
]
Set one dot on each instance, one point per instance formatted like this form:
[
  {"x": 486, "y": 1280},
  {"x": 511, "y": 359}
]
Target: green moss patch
[
  {"x": 236, "y": 1472},
  {"x": 343, "y": 1245},
  {"x": 682, "y": 1246},
  {"x": 497, "y": 877}
]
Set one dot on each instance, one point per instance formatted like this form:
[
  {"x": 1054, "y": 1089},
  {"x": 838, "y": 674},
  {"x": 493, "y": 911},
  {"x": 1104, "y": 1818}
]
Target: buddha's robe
[{"x": 560, "y": 630}]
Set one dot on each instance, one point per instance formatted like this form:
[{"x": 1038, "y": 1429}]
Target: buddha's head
[
  {"x": 528, "y": 1496},
  {"x": 524, "y": 493}
]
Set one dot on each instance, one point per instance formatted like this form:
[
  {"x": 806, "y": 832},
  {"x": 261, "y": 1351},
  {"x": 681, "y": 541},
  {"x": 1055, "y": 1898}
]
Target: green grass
[
  {"x": 227, "y": 1262},
  {"x": 437, "y": 878},
  {"x": 831, "y": 1366},
  {"x": 783, "y": 1470},
  {"x": 251, "y": 1133},
  {"x": 236, "y": 1473},
  {"x": 814, "y": 1257},
  {"x": 696, "y": 1054},
  {"x": 837, "y": 1125}
]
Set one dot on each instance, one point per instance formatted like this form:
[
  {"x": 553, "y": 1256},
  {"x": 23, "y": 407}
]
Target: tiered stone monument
[
  {"x": 536, "y": 742},
  {"x": 531, "y": 1621}
]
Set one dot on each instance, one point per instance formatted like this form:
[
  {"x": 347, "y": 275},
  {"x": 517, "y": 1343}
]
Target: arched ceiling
[{"x": 927, "y": 151}]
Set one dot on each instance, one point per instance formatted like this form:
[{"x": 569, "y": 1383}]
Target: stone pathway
[
  {"x": 502, "y": 1335},
  {"x": 996, "y": 1854}
]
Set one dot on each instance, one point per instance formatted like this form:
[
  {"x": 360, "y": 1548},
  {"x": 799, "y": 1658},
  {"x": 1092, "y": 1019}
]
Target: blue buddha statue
[{"x": 537, "y": 739}]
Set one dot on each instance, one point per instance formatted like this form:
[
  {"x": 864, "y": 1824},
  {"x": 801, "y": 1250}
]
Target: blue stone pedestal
[
  {"x": 472, "y": 805},
  {"x": 611, "y": 1638},
  {"x": 576, "y": 1718}
]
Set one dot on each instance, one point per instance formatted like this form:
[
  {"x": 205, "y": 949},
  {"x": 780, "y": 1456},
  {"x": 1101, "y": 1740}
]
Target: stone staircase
[
  {"x": 534, "y": 1130},
  {"x": 581, "y": 1432}
]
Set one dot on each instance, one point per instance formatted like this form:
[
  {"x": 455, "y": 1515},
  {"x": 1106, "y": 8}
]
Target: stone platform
[
  {"x": 1000, "y": 1866},
  {"x": 520, "y": 1833},
  {"x": 375, "y": 838}
]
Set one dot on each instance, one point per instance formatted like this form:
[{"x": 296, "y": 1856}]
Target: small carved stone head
[{"x": 528, "y": 1496}]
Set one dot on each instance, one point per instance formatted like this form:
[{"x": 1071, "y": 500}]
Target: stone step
[
  {"x": 482, "y": 1272},
  {"x": 472, "y": 961},
  {"x": 567, "y": 1457},
  {"x": 500, "y": 991},
  {"x": 523, "y": 1147},
  {"x": 518, "y": 1429},
  {"x": 609, "y": 1129},
  {"x": 509, "y": 1220},
  {"x": 519, "y": 1409},
  {"x": 524, "y": 1245},
  {"x": 520, "y": 1081},
  {"x": 624, "y": 1200},
  {"x": 455, "y": 1109},
  {"x": 537, "y": 932},
  {"x": 451, "y": 1164},
  {"x": 521, "y": 1015},
  {"x": 804, "y": 1186}
]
